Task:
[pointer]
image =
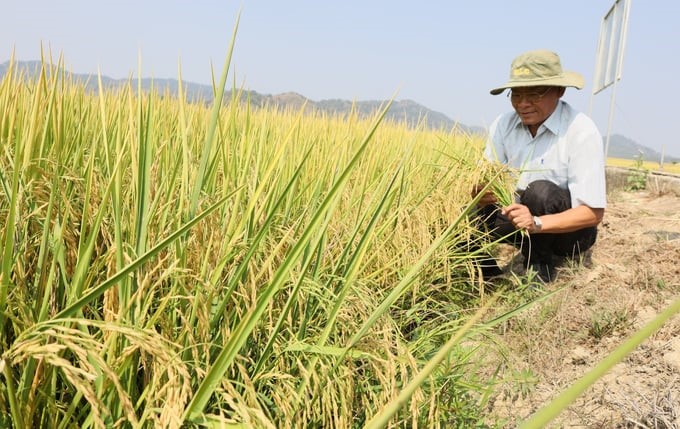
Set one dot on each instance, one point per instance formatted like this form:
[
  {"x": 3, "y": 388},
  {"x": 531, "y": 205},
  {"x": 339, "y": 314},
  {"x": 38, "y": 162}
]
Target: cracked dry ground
[{"x": 635, "y": 274}]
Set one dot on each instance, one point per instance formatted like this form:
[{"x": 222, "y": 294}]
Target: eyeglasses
[{"x": 530, "y": 97}]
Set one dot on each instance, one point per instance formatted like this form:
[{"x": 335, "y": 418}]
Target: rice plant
[{"x": 165, "y": 263}]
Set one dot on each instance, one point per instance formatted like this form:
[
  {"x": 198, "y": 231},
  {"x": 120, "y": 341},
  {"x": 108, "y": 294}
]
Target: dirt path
[{"x": 634, "y": 275}]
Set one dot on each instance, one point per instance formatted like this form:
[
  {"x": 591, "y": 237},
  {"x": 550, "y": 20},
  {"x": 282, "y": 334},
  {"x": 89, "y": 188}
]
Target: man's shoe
[
  {"x": 489, "y": 272},
  {"x": 544, "y": 272},
  {"x": 490, "y": 269}
]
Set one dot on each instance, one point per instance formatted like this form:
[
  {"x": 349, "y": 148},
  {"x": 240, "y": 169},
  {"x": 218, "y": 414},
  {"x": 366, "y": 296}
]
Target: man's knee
[{"x": 544, "y": 197}]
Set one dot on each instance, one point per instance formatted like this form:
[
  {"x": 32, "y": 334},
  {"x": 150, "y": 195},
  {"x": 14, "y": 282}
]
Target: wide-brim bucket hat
[{"x": 539, "y": 68}]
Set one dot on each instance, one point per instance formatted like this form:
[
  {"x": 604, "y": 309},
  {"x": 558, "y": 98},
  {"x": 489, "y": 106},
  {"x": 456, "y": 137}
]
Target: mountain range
[{"x": 407, "y": 111}]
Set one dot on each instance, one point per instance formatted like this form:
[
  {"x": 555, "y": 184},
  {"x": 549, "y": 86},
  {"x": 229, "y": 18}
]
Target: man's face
[{"x": 534, "y": 104}]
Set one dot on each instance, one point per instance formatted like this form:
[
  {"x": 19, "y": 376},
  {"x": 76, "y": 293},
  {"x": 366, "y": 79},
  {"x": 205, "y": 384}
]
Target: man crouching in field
[{"x": 560, "y": 158}]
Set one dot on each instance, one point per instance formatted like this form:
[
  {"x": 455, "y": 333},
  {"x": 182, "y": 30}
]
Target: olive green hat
[{"x": 539, "y": 68}]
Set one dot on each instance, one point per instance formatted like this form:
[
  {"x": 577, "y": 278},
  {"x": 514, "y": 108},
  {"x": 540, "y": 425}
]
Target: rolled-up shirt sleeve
[{"x": 586, "y": 177}]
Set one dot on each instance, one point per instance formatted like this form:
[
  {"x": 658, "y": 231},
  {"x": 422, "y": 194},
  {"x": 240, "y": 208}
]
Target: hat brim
[{"x": 567, "y": 79}]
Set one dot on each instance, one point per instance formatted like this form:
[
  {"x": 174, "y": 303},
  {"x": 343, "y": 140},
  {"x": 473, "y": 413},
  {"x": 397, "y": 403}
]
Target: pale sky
[{"x": 445, "y": 55}]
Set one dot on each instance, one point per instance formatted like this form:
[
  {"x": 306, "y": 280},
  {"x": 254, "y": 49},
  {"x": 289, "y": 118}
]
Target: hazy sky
[{"x": 445, "y": 55}]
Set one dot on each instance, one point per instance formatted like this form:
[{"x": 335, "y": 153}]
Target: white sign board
[{"x": 611, "y": 46}]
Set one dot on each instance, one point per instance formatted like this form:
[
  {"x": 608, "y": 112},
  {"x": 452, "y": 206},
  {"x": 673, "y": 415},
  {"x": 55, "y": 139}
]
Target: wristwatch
[{"x": 538, "y": 225}]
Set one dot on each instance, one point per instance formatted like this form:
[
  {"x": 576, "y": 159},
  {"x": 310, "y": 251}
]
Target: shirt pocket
[{"x": 559, "y": 175}]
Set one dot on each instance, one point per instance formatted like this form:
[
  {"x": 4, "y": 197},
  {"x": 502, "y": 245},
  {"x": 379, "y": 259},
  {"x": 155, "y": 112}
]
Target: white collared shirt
[{"x": 567, "y": 151}]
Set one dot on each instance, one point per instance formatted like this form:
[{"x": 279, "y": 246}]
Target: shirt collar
[
  {"x": 552, "y": 124},
  {"x": 554, "y": 120}
]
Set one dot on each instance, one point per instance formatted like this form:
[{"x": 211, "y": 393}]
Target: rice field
[
  {"x": 666, "y": 167},
  {"x": 172, "y": 264},
  {"x": 166, "y": 263}
]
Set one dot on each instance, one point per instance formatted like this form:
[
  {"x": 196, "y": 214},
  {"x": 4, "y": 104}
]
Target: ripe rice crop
[
  {"x": 667, "y": 167},
  {"x": 167, "y": 263}
]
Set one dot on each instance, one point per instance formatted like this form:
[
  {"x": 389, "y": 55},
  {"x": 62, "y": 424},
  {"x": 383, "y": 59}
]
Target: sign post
[{"x": 609, "y": 60}]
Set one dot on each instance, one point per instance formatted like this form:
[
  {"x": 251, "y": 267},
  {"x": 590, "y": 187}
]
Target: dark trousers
[{"x": 541, "y": 197}]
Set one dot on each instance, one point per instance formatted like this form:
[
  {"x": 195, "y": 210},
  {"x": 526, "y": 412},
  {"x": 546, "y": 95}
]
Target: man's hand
[
  {"x": 520, "y": 216},
  {"x": 486, "y": 199}
]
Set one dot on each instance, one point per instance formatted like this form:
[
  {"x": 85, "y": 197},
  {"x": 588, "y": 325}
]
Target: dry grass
[{"x": 634, "y": 275}]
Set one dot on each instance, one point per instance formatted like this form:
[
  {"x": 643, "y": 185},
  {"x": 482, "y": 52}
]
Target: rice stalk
[
  {"x": 15, "y": 410},
  {"x": 351, "y": 269},
  {"x": 212, "y": 125},
  {"x": 240, "y": 334},
  {"x": 390, "y": 409}
]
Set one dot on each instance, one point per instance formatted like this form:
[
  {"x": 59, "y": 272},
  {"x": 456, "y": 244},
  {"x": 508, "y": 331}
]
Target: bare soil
[{"x": 634, "y": 275}]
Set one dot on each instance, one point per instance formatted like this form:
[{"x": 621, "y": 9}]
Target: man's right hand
[{"x": 486, "y": 199}]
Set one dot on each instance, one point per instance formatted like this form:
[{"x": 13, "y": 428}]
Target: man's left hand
[{"x": 520, "y": 216}]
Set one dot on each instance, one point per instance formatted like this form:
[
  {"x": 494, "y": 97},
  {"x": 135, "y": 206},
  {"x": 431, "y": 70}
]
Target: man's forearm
[{"x": 571, "y": 220}]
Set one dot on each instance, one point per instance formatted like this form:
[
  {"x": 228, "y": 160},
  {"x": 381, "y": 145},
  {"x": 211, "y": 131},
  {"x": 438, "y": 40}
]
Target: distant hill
[
  {"x": 407, "y": 111},
  {"x": 623, "y": 147}
]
